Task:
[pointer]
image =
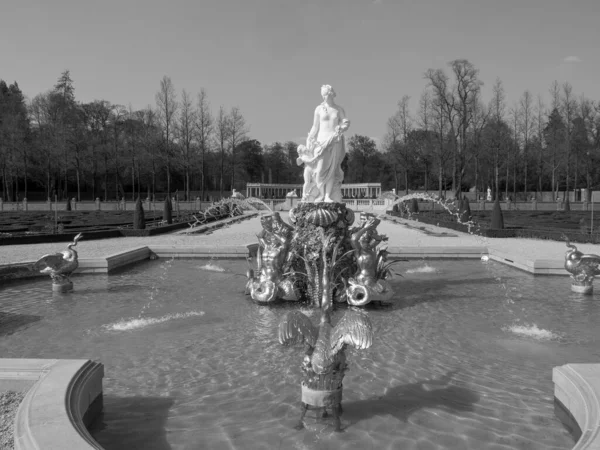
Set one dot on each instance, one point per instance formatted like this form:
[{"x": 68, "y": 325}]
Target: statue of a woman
[{"x": 326, "y": 143}]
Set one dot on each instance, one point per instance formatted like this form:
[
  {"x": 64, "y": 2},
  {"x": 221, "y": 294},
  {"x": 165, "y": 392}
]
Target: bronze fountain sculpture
[
  {"x": 324, "y": 364},
  {"x": 321, "y": 260},
  {"x": 60, "y": 266},
  {"x": 272, "y": 282},
  {"x": 583, "y": 268}
]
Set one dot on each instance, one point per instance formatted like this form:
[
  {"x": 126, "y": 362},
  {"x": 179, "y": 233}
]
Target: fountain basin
[
  {"x": 64, "y": 398},
  {"x": 447, "y": 354}
]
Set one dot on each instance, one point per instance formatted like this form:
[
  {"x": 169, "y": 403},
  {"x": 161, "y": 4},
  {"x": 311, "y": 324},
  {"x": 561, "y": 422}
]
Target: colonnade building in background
[{"x": 354, "y": 190}]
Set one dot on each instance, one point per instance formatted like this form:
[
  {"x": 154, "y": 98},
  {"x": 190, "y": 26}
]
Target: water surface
[{"x": 461, "y": 360}]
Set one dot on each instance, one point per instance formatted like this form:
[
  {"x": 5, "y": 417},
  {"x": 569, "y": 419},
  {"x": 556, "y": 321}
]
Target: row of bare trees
[
  {"x": 104, "y": 149},
  {"x": 452, "y": 141},
  {"x": 464, "y": 143}
]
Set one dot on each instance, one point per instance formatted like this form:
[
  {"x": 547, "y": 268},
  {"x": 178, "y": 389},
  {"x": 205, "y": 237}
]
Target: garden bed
[{"x": 548, "y": 225}]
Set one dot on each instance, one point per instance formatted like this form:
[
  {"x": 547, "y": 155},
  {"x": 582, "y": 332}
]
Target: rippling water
[{"x": 461, "y": 360}]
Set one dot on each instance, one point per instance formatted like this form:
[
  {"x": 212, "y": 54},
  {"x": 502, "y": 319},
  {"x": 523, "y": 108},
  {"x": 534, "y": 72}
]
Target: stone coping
[
  {"x": 126, "y": 257},
  {"x": 577, "y": 392},
  {"x": 65, "y": 397}
]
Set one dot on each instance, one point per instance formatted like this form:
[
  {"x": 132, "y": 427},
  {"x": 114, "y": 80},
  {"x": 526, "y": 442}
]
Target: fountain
[
  {"x": 583, "y": 268},
  {"x": 320, "y": 259},
  {"x": 60, "y": 266}
]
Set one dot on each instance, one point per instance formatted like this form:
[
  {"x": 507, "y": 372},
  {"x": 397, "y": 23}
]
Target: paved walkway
[{"x": 404, "y": 234}]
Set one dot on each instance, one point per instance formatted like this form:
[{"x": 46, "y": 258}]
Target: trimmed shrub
[
  {"x": 167, "y": 211},
  {"x": 465, "y": 210},
  {"x": 414, "y": 206},
  {"x": 497, "y": 217},
  {"x": 139, "y": 221}
]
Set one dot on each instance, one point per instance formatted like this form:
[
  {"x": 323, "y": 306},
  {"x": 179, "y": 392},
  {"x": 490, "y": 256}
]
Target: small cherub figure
[{"x": 307, "y": 157}]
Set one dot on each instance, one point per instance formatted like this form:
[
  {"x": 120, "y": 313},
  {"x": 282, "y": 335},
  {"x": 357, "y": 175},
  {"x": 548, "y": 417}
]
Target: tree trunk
[
  {"x": 168, "y": 175},
  {"x": 202, "y": 182},
  {"x": 77, "y": 174},
  {"x": 187, "y": 183},
  {"x": 105, "y": 178},
  {"x": 133, "y": 180}
]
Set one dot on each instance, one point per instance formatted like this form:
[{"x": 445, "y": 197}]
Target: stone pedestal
[
  {"x": 62, "y": 287},
  {"x": 586, "y": 289},
  {"x": 321, "y": 399}
]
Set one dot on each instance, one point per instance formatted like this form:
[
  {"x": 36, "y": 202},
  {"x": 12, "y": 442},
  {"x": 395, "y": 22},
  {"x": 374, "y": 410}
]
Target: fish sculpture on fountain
[
  {"x": 60, "y": 266},
  {"x": 583, "y": 268},
  {"x": 324, "y": 364},
  {"x": 273, "y": 281}
]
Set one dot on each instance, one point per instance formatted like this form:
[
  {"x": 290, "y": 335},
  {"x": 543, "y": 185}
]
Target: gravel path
[{"x": 9, "y": 403}]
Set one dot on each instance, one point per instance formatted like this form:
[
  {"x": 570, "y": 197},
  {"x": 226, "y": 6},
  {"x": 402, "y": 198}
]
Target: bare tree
[
  {"x": 185, "y": 136},
  {"x": 498, "y": 141},
  {"x": 223, "y": 131},
  {"x": 445, "y": 106},
  {"x": 568, "y": 108},
  {"x": 426, "y": 122},
  {"x": 557, "y": 140},
  {"x": 151, "y": 135},
  {"x": 526, "y": 130},
  {"x": 399, "y": 127},
  {"x": 589, "y": 115},
  {"x": 540, "y": 112},
  {"x": 478, "y": 123},
  {"x": 514, "y": 147},
  {"x": 117, "y": 121},
  {"x": 237, "y": 133},
  {"x": 442, "y": 126},
  {"x": 166, "y": 104},
  {"x": 41, "y": 117},
  {"x": 466, "y": 91},
  {"x": 458, "y": 104},
  {"x": 204, "y": 128}
]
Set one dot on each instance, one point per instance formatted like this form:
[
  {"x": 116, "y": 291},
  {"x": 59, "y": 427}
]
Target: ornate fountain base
[
  {"x": 586, "y": 289},
  {"x": 62, "y": 287}
]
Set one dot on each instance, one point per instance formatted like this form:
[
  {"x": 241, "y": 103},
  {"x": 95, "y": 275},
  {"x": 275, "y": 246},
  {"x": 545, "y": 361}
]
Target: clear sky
[{"x": 270, "y": 57}]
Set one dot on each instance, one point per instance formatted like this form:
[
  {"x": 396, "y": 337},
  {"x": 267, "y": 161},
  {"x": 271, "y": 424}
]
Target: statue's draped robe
[{"x": 328, "y": 156}]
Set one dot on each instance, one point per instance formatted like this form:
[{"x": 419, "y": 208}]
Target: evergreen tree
[
  {"x": 139, "y": 222},
  {"x": 497, "y": 217},
  {"x": 167, "y": 210},
  {"x": 465, "y": 210}
]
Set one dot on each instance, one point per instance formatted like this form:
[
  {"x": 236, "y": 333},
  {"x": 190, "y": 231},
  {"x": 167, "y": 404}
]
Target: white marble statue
[{"x": 324, "y": 151}]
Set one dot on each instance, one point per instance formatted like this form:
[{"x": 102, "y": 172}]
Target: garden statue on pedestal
[{"x": 324, "y": 151}]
